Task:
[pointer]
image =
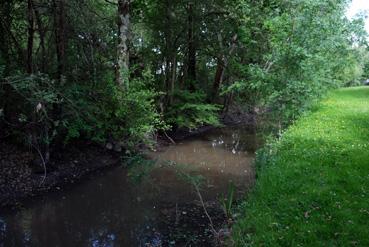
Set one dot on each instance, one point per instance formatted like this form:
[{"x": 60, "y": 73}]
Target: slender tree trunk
[
  {"x": 41, "y": 32},
  {"x": 222, "y": 65},
  {"x": 122, "y": 66},
  {"x": 191, "y": 47},
  {"x": 31, "y": 32},
  {"x": 5, "y": 27},
  {"x": 173, "y": 79},
  {"x": 227, "y": 102},
  {"x": 10, "y": 40},
  {"x": 60, "y": 44},
  {"x": 60, "y": 35},
  {"x": 167, "y": 74},
  {"x": 6, "y": 47},
  {"x": 168, "y": 53},
  {"x": 219, "y": 74}
]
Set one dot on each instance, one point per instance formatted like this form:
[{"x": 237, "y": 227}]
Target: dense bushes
[
  {"x": 64, "y": 79},
  {"x": 37, "y": 112},
  {"x": 190, "y": 110},
  {"x": 307, "y": 50},
  {"x": 134, "y": 116}
]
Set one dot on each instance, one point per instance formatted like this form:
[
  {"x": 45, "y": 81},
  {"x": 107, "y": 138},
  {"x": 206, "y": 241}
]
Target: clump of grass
[
  {"x": 313, "y": 183},
  {"x": 227, "y": 201}
]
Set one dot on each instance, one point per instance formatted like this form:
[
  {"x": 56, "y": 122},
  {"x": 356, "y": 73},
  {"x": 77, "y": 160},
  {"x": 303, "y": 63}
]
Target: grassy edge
[{"x": 313, "y": 183}]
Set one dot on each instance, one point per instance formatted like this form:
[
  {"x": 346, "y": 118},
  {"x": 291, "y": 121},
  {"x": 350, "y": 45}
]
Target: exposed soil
[
  {"x": 20, "y": 178},
  {"x": 234, "y": 116}
]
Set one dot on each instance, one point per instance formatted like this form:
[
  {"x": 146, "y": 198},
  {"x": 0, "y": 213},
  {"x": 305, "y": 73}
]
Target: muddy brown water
[{"x": 160, "y": 208}]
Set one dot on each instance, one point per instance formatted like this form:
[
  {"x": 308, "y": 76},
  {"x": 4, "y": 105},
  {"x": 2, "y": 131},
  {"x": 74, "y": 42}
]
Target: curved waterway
[{"x": 152, "y": 204}]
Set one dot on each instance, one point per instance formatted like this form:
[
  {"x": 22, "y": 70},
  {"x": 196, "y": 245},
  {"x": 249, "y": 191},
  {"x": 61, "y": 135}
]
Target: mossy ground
[{"x": 313, "y": 183}]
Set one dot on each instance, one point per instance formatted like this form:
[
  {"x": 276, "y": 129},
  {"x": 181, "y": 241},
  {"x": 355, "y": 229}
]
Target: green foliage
[
  {"x": 108, "y": 112},
  {"x": 228, "y": 201},
  {"x": 190, "y": 111},
  {"x": 34, "y": 89},
  {"x": 126, "y": 115},
  {"x": 312, "y": 182},
  {"x": 197, "y": 181},
  {"x": 275, "y": 55},
  {"x": 34, "y": 97},
  {"x": 134, "y": 112},
  {"x": 306, "y": 50}
]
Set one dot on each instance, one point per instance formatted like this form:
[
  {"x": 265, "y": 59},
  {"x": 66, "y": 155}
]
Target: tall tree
[
  {"x": 42, "y": 35},
  {"x": 222, "y": 64},
  {"x": 31, "y": 32},
  {"x": 60, "y": 35},
  {"x": 122, "y": 66},
  {"x": 191, "y": 45}
]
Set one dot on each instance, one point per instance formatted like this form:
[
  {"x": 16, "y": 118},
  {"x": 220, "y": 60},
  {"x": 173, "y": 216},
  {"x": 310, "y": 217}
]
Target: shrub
[{"x": 190, "y": 110}]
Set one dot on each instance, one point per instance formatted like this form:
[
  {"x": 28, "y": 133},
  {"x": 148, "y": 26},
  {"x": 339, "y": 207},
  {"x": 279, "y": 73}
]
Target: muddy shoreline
[{"x": 19, "y": 181}]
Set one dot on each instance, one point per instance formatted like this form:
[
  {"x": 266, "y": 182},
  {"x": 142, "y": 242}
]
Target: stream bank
[
  {"x": 21, "y": 180},
  {"x": 159, "y": 209}
]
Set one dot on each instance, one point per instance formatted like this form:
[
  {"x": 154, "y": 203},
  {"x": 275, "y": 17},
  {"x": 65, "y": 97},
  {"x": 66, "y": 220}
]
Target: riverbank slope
[{"x": 313, "y": 183}]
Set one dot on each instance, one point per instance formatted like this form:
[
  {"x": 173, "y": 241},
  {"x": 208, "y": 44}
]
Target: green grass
[{"x": 313, "y": 183}]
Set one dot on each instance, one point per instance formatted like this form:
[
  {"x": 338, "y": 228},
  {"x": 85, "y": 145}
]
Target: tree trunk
[
  {"x": 60, "y": 35},
  {"x": 60, "y": 45},
  {"x": 122, "y": 66},
  {"x": 31, "y": 32},
  {"x": 191, "y": 47},
  {"x": 170, "y": 55},
  {"x": 5, "y": 40},
  {"x": 10, "y": 42},
  {"x": 222, "y": 65},
  {"x": 219, "y": 74},
  {"x": 173, "y": 79},
  {"x": 41, "y": 32},
  {"x": 167, "y": 74}
]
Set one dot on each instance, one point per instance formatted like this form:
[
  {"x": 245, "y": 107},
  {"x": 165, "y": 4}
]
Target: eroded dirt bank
[{"x": 21, "y": 179}]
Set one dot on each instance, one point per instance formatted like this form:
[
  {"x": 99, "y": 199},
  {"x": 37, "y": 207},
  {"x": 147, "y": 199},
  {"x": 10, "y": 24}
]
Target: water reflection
[
  {"x": 2, "y": 232},
  {"x": 102, "y": 239},
  {"x": 110, "y": 210}
]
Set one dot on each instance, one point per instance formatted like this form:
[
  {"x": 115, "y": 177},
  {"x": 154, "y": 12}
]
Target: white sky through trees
[{"x": 358, "y": 6}]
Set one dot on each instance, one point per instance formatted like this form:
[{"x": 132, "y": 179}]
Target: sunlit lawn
[{"x": 313, "y": 184}]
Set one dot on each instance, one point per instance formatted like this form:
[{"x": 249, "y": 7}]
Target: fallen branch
[
  {"x": 169, "y": 138},
  {"x": 43, "y": 163},
  {"x": 215, "y": 232}
]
